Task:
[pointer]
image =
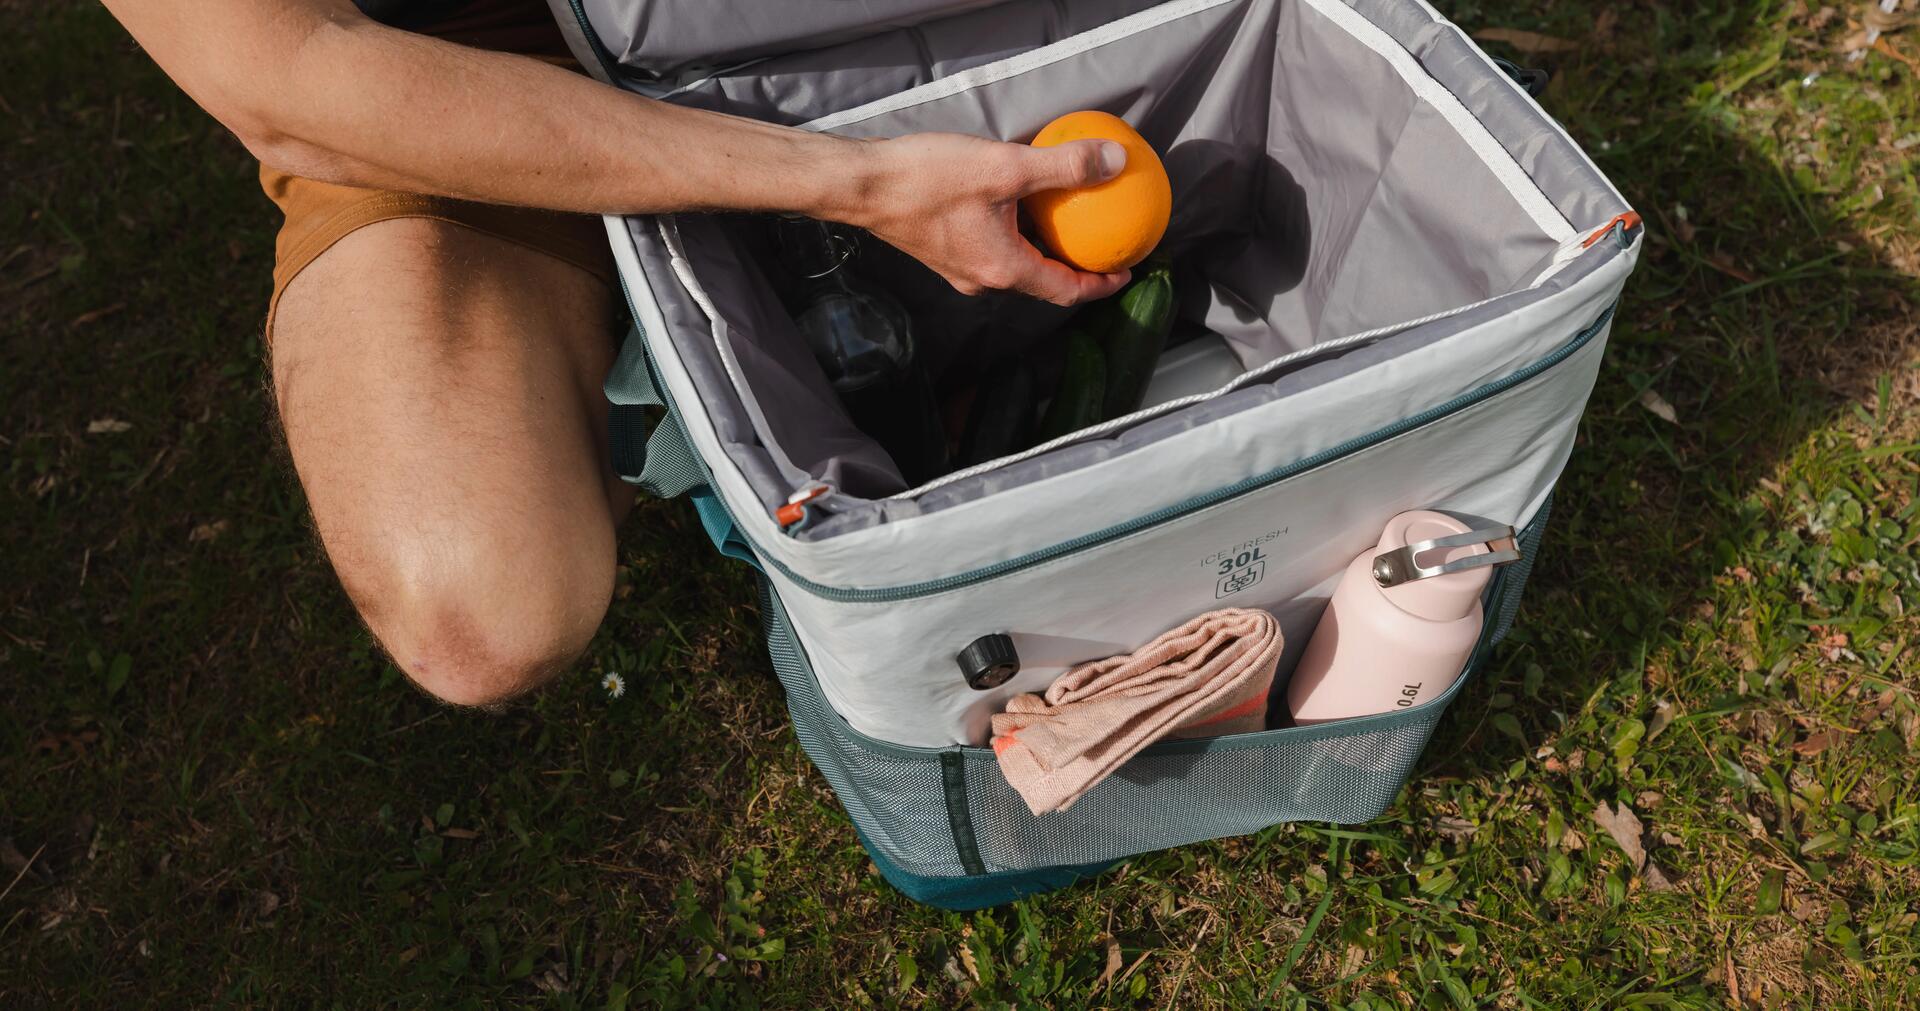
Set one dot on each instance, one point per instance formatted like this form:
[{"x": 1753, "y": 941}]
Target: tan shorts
[{"x": 319, "y": 214}]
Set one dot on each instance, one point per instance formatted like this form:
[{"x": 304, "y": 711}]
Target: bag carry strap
[
  {"x": 1532, "y": 80},
  {"x": 659, "y": 460}
]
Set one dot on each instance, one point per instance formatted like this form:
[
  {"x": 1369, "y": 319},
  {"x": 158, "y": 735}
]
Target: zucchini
[
  {"x": 1083, "y": 389},
  {"x": 1135, "y": 324},
  {"x": 1001, "y": 421}
]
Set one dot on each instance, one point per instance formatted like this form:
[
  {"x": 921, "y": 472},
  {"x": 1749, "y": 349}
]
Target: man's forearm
[
  {"x": 376, "y": 107},
  {"x": 316, "y": 88}
]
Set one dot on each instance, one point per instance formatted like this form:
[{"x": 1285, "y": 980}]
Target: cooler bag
[{"x": 1416, "y": 266}]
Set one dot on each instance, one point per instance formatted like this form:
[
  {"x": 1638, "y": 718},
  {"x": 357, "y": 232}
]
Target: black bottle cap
[{"x": 989, "y": 661}]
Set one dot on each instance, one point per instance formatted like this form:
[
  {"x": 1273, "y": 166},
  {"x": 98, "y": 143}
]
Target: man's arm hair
[{"x": 316, "y": 88}]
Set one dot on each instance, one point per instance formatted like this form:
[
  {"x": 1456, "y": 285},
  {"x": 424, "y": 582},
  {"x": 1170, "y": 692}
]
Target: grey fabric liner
[
  {"x": 800, "y": 86},
  {"x": 1085, "y": 454},
  {"x": 1571, "y": 186},
  {"x": 1515, "y": 119},
  {"x": 900, "y": 44},
  {"x": 656, "y": 38}
]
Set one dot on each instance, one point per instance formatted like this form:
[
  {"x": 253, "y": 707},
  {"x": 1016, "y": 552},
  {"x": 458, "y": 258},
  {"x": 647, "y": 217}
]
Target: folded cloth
[{"x": 1209, "y": 676}]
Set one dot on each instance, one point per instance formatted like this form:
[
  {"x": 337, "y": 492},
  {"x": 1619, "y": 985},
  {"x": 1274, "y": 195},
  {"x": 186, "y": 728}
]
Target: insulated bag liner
[
  {"x": 1323, "y": 190},
  {"x": 1415, "y": 264}
]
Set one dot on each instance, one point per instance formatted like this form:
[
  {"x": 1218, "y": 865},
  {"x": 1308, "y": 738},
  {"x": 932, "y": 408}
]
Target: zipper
[
  {"x": 600, "y": 53},
  {"x": 847, "y": 594}
]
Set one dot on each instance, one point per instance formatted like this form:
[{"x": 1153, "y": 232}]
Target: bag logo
[
  {"x": 1240, "y": 571},
  {"x": 1240, "y": 566}
]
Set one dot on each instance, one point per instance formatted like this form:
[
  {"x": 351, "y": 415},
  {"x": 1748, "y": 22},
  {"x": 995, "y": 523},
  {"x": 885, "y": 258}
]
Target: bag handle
[
  {"x": 1531, "y": 80},
  {"x": 652, "y": 455}
]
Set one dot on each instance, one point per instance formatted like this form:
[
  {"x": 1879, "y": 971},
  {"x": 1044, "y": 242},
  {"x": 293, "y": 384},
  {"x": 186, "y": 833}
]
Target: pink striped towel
[{"x": 1209, "y": 676}]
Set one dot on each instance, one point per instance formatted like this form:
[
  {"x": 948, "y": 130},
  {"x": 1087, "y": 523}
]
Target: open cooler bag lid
[{"x": 660, "y": 39}]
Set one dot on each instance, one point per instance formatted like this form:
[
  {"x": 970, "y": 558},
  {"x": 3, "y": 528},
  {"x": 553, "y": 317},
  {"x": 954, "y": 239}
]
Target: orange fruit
[{"x": 1112, "y": 225}]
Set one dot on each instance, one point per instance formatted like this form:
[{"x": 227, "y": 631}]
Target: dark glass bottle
[{"x": 863, "y": 340}]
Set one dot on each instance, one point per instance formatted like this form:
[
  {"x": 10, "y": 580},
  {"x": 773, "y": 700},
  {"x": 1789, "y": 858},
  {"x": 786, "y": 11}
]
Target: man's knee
[{"x": 485, "y": 632}]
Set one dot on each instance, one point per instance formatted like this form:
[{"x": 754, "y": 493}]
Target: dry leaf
[
  {"x": 1656, "y": 881},
  {"x": 1815, "y": 743},
  {"x": 1526, "y": 41},
  {"x": 966, "y": 959},
  {"x": 1625, "y": 828},
  {"x": 1355, "y": 958},
  {"x": 92, "y": 315},
  {"x": 1604, "y": 24},
  {"x": 1454, "y": 828},
  {"x": 1725, "y": 265},
  {"x": 460, "y": 833},
  {"x": 207, "y": 532},
  {"x": 1113, "y": 961},
  {"x": 1682, "y": 225},
  {"x": 1571, "y": 840},
  {"x": 1658, "y": 405},
  {"x": 1663, "y": 715},
  {"x": 1884, "y": 21},
  {"x": 107, "y": 426}
]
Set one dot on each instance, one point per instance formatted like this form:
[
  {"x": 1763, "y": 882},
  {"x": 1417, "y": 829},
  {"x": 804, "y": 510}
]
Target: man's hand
[
  {"x": 315, "y": 88},
  {"x": 952, "y": 202}
]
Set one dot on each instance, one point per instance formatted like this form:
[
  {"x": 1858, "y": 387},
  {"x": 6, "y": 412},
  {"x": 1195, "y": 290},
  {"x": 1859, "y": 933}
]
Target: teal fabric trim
[
  {"x": 978, "y": 891},
  {"x": 1198, "y": 502},
  {"x": 718, "y": 522},
  {"x": 953, "y": 779},
  {"x": 664, "y": 464}
]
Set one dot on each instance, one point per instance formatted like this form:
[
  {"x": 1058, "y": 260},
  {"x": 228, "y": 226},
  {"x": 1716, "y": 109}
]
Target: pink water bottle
[{"x": 1402, "y": 621}]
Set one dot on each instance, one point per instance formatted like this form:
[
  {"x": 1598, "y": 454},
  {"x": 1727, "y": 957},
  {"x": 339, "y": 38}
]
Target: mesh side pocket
[
  {"x": 895, "y": 796},
  {"x": 948, "y": 812},
  {"x": 1516, "y": 574},
  {"x": 1172, "y": 795}
]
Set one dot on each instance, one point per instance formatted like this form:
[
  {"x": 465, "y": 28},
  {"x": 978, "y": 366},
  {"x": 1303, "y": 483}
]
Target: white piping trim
[
  {"x": 669, "y": 228},
  {"x": 682, "y": 269},
  {"x": 1014, "y": 66},
  {"x": 1545, "y": 216},
  {"x": 1168, "y": 407},
  {"x": 1495, "y": 156},
  {"x": 731, "y": 480},
  {"x": 1545, "y": 116}
]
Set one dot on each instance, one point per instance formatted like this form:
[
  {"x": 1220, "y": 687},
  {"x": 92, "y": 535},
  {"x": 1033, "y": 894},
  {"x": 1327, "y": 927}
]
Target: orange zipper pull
[
  {"x": 796, "y": 508},
  {"x": 1628, "y": 219}
]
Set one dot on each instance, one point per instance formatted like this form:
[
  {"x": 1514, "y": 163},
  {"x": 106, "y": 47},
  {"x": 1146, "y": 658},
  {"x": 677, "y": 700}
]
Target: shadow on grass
[
  {"x": 206, "y": 760},
  {"x": 1758, "y": 313}
]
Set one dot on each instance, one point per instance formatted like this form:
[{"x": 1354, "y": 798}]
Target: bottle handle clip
[{"x": 1401, "y": 565}]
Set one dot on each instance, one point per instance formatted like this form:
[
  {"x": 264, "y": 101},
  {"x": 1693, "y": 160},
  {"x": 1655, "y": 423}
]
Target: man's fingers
[
  {"x": 1071, "y": 165},
  {"x": 1053, "y": 281}
]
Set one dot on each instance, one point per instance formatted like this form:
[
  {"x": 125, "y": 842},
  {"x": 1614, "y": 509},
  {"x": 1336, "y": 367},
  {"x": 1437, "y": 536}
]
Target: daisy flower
[{"x": 615, "y": 685}]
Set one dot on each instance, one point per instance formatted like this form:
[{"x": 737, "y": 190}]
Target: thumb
[{"x": 1072, "y": 165}]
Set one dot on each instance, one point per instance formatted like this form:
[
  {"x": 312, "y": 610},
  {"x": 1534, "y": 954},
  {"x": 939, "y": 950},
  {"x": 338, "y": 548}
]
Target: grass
[{"x": 213, "y": 789}]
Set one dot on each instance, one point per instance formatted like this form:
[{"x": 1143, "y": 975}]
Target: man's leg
[{"x": 440, "y": 390}]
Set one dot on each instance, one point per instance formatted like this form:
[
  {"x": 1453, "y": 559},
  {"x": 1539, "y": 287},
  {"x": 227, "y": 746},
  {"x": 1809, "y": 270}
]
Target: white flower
[{"x": 615, "y": 685}]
